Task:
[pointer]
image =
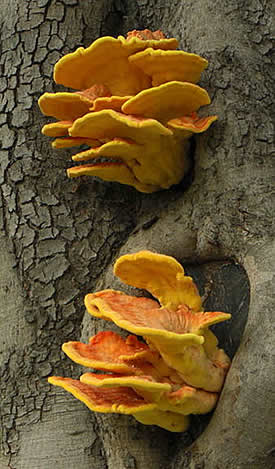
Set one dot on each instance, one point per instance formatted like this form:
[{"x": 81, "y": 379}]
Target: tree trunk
[{"x": 60, "y": 237}]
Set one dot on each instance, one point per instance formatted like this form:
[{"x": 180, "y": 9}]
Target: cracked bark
[{"x": 59, "y": 237}]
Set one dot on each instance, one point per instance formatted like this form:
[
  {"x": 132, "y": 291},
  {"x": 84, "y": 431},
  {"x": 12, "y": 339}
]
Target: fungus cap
[
  {"x": 167, "y": 329},
  {"x": 70, "y": 106},
  {"x": 111, "y": 171},
  {"x": 162, "y": 276},
  {"x": 108, "y": 351},
  {"x": 121, "y": 400},
  {"x": 187, "y": 125},
  {"x": 169, "y": 65},
  {"x": 64, "y": 106},
  {"x": 140, "y": 384},
  {"x": 112, "y": 124},
  {"x": 57, "y": 129},
  {"x": 167, "y": 101}
]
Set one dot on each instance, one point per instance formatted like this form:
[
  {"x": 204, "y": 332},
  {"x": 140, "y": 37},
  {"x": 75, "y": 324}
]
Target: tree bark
[{"x": 60, "y": 237}]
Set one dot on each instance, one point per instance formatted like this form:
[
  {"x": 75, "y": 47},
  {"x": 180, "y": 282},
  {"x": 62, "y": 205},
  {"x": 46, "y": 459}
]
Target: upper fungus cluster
[
  {"x": 178, "y": 370},
  {"x": 136, "y": 106}
]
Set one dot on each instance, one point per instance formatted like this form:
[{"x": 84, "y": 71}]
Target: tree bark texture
[{"x": 59, "y": 238}]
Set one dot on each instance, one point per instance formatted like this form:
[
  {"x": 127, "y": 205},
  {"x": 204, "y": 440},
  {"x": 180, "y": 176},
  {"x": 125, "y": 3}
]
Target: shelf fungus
[
  {"x": 134, "y": 107},
  {"x": 178, "y": 370}
]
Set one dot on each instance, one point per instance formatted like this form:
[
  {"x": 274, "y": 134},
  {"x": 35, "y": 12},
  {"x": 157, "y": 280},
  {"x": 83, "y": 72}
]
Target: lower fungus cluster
[
  {"x": 178, "y": 370},
  {"x": 136, "y": 106}
]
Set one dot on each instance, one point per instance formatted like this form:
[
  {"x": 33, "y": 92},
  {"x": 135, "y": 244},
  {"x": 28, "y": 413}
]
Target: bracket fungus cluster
[
  {"x": 135, "y": 109},
  {"x": 177, "y": 371}
]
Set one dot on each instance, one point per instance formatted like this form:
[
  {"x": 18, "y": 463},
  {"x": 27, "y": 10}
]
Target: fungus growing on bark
[
  {"x": 144, "y": 152},
  {"x": 138, "y": 82},
  {"x": 178, "y": 371}
]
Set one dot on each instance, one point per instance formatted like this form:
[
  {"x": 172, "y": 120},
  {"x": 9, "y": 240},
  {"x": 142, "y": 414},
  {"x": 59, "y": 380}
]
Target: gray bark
[{"x": 60, "y": 237}]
